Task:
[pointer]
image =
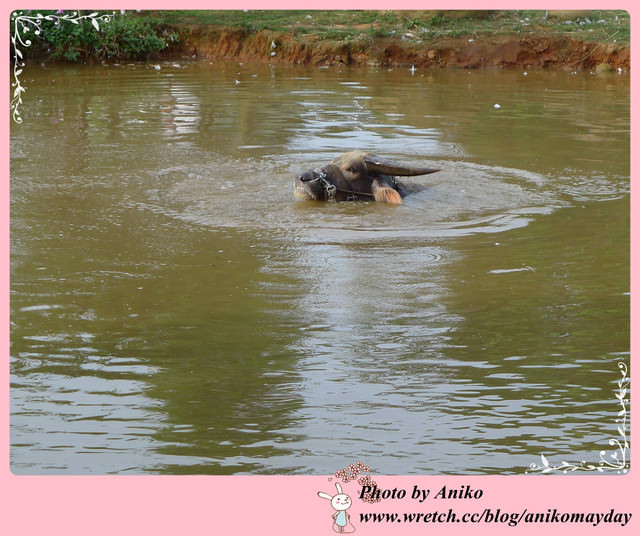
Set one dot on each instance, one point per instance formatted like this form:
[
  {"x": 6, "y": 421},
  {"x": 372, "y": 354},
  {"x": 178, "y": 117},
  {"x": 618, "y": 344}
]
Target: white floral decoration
[
  {"x": 617, "y": 460},
  {"x": 22, "y": 26}
]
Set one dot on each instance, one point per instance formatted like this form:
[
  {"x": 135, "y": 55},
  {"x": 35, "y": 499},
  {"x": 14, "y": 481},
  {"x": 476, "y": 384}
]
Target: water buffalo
[{"x": 357, "y": 175}]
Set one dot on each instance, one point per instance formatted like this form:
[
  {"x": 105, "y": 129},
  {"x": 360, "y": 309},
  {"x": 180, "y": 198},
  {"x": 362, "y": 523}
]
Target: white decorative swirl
[
  {"x": 22, "y": 26},
  {"x": 617, "y": 460}
]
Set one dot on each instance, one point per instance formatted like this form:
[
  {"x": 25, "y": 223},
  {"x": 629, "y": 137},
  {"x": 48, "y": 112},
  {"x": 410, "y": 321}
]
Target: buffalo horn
[{"x": 388, "y": 167}]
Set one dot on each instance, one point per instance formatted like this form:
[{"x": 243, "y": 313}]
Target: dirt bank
[{"x": 530, "y": 51}]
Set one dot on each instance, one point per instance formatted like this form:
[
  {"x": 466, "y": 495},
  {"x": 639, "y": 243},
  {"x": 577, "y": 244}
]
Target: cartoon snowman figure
[{"x": 340, "y": 502}]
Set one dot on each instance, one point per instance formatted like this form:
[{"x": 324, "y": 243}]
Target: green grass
[
  {"x": 149, "y": 33},
  {"x": 76, "y": 38},
  {"x": 348, "y": 24}
]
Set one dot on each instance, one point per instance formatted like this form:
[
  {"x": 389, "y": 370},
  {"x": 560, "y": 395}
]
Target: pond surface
[{"x": 175, "y": 310}]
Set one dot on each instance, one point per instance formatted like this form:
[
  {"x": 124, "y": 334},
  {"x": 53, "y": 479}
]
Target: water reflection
[{"x": 175, "y": 310}]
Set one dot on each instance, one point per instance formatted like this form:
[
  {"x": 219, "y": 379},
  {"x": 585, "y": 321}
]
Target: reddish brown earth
[{"x": 530, "y": 51}]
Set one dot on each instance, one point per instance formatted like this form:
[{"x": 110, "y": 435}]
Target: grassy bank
[
  {"x": 430, "y": 25},
  {"x": 334, "y": 36}
]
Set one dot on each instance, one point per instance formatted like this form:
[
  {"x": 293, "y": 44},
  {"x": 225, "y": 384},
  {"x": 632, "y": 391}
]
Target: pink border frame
[{"x": 159, "y": 505}]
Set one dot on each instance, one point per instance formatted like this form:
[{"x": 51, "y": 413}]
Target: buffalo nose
[{"x": 303, "y": 177}]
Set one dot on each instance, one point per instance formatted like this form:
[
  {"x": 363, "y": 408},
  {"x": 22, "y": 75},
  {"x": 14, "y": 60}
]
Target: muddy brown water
[{"x": 175, "y": 310}]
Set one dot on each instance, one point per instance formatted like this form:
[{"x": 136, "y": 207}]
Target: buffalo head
[{"x": 356, "y": 175}]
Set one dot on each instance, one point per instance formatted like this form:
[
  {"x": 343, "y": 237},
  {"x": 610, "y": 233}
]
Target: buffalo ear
[
  {"x": 389, "y": 167},
  {"x": 385, "y": 194}
]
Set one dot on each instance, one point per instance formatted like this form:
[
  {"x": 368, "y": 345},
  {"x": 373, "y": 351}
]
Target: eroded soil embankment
[{"x": 530, "y": 51}]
